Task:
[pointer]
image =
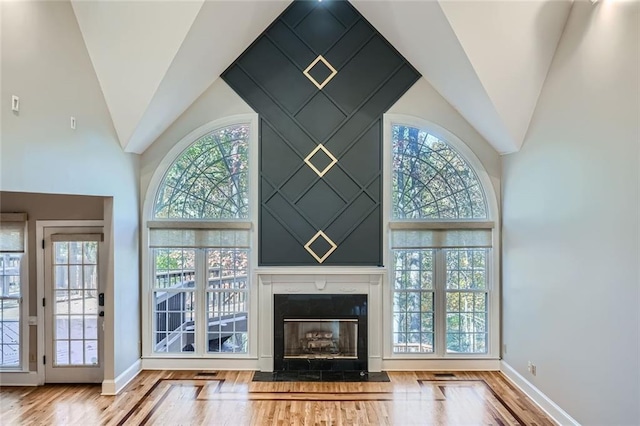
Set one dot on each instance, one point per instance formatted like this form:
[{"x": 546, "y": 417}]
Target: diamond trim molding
[
  {"x": 327, "y": 239},
  {"x": 326, "y": 80},
  {"x": 334, "y": 160}
]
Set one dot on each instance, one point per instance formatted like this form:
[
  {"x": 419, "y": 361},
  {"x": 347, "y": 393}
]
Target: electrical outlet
[{"x": 534, "y": 369}]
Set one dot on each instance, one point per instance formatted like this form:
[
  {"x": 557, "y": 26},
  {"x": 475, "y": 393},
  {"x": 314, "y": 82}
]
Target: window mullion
[
  {"x": 200, "y": 298},
  {"x": 440, "y": 275}
]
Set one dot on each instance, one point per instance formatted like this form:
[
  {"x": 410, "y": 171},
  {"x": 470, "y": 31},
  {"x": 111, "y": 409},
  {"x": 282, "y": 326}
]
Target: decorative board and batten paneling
[{"x": 320, "y": 78}]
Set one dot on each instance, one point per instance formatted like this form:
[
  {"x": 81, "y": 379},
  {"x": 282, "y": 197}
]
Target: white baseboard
[
  {"x": 543, "y": 401},
  {"x": 440, "y": 364},
  {"x": 112, "y": 387},
  {"x": 200, "y": 364},
  {"x": 20, "y": 378}
]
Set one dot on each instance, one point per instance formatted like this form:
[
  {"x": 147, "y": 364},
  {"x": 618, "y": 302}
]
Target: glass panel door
[
  {"x": 75, "y": 335},
  {"x": 74, "y": 325}
]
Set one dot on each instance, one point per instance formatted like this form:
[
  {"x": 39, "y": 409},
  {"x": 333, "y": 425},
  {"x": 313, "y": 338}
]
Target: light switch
[{"x": 15, "y": 103}]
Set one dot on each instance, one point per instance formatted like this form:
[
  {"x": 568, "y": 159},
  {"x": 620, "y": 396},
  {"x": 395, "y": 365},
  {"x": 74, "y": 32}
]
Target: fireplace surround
[
  {"x": 329, "y": 294},
  {"x": 320, "y": 332}
]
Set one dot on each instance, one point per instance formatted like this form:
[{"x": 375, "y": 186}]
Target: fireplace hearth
[{"x": 320, "y": 332}]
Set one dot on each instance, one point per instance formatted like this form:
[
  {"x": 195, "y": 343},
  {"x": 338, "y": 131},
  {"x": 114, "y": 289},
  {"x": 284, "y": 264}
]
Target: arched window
[
  {"x": 199, "y": 246},
  {"x": 209, "y": 180},
  {"x": 441, "y": 248},
  {"x": 431, "y": 180}
]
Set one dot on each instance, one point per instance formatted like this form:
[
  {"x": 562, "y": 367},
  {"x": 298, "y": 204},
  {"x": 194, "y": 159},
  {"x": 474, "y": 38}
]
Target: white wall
[
  {"x": 45, "y": 63},
  {"x": 570, "y": 224}
]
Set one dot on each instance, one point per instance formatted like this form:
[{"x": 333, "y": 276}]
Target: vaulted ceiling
[{"x": 489, "y": 59}]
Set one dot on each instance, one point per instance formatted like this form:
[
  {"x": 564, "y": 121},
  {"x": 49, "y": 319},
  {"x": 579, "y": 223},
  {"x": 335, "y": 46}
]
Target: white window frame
[
  {"x": 23, "y": 343},
  {"x": 493, "y": 261},
  {"x": 147, "y": 258}
]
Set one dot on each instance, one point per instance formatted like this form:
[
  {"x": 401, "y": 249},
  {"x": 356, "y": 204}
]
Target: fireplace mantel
[{"x": 320, "y": 280}]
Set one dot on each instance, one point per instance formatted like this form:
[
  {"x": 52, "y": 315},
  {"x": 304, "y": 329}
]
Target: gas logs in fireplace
[{"x": 321, "y": 338}]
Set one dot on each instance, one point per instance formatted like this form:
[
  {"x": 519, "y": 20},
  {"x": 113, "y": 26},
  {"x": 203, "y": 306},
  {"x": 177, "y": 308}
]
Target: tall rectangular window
[
  {"x": 466, "y": 300},
  {"x": 12, "y": 312},
  {"x": 10, "y": 309},
  {"x": 174, "y": 301},
  {"x": 413, "y": 283},
  {"x": 227, "y": 300}
]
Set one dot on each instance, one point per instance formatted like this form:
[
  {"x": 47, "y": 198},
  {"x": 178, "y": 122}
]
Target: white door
[{"x": 73, "y": 305}]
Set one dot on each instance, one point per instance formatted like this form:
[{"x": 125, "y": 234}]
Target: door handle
[{"x": 101, "y": 314}]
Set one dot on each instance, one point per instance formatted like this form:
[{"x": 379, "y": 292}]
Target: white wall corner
[
  {"x": 552, "y": 409},
  {"x": 113, "y": 387}
]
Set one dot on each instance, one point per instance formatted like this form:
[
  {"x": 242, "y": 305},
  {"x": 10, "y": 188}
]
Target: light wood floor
[{"x": 231, "y": 398}]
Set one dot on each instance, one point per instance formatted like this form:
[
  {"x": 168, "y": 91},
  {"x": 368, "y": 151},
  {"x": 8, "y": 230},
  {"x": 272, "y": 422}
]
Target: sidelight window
[{"x": 13, "y": 332}]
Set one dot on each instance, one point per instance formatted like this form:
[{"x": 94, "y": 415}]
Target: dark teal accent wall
[{"x": 344, "y": 116}]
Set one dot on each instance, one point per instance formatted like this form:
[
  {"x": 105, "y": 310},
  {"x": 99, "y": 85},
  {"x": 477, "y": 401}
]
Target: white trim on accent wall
[{"x": 552, "y": 409}]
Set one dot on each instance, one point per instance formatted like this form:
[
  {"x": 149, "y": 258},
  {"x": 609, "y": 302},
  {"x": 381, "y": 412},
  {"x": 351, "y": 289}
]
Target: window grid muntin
[
  {"x": 75, "y": 316},
  {"x": 427, "y": 145},
  {"x": 476, "y": 336},
  {"x": 177, "y": 186},
  {"x": 413, "y": 284}
]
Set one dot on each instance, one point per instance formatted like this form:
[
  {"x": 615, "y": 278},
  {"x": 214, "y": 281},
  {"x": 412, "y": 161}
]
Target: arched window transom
[
  {"x": 431, "y": 180},
  {"x": 209, "y": 180}
]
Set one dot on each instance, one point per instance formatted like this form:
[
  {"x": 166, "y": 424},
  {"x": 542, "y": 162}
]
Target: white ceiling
[{"x": 489, "y": 59}]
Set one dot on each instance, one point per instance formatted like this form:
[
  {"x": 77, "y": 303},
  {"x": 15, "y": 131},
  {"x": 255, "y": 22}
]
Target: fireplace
[
  {"x": 320, "y": 295},
  {"x": 320, "y": 332}
]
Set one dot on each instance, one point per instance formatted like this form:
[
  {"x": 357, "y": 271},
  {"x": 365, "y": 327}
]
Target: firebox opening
[{"x": 320, "y": 338}]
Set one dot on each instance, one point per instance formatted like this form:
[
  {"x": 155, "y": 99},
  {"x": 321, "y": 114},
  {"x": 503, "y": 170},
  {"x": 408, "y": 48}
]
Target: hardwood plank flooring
[{"x": 231, "y": 398}]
